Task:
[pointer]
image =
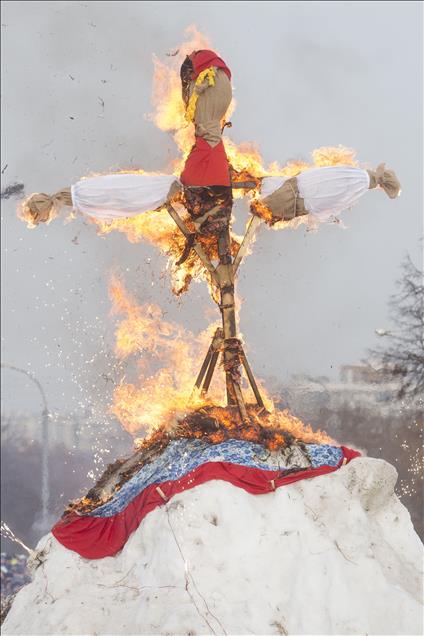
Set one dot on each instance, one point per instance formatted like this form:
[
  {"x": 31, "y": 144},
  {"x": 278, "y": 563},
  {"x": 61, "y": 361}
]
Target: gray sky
[{"x": 306, "y": 74}]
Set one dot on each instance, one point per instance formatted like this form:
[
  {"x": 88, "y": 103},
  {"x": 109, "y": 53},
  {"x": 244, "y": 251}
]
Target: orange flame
[
  {"x": 159, "y": 229},
  {"x": 169, "y": 114},
  {"x": 157, "y": 397},
  {"x": 163, "y": 399}
]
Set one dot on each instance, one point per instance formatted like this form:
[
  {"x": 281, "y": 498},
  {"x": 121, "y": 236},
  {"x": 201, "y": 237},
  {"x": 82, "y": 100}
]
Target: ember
[{"x": 272, "y": 430}]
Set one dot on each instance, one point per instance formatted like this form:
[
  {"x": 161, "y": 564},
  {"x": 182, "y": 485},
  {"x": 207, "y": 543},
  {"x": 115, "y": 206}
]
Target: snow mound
[{"x": 336, "y": 554}]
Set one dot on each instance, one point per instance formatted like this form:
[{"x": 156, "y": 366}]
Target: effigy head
[
  {"x": 195, "y": 64},
  {"x": 206, "y": 92}
]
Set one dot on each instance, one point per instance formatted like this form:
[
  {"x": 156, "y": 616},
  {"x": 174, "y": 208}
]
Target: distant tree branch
[{"x": 402, "y": 355}]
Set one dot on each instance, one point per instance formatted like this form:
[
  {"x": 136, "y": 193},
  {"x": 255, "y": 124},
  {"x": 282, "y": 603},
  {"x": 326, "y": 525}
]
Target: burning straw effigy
[{"x": 188, "y": 215}]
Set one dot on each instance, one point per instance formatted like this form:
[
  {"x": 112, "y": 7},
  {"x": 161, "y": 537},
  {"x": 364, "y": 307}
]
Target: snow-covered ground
[{"x": 336, "y": 554}]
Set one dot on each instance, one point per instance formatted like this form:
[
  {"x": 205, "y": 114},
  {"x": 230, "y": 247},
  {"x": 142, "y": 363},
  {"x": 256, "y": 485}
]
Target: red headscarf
[{"x": 204, "y": 59}]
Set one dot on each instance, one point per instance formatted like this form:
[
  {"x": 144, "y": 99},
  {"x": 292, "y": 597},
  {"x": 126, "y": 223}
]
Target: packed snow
[{"x": 336, "y": 554}]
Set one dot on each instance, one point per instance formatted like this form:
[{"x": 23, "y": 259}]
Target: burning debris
[
  {"x": 273, "y": 431},
  {"x": 13, "y": 190},
  {"x": 278, "y": 432}
]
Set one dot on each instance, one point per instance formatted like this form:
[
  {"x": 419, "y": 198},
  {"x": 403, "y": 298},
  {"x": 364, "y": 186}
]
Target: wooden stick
[
  {"x": 209, "y": 374},
  {"x": 240, "y": 403},
  {"x": 204, "y": 367},
  {"x": 213, "y": 348},
  {"x": 251, "y": 379},
  {"x": 224, "y": 275},
  {"x": 245, "y": 185},
  {"x": 247, "y": 239},
  {"x": 178, "y": 220}
]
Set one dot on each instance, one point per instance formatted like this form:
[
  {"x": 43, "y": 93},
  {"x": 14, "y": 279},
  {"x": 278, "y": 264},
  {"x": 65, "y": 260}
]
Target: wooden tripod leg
[
  {"x": 251, "y": 378},
  {"x": 209, "y": 374},
  {"x": 204, "y": 367},
  {"x": 209, "y": 362}
]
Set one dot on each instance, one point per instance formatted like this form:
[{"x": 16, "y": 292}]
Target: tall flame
[
  {"x": 169, "y": 114},
  {"x": 158, "y": 396},
  {"x": 162, "y": 397},
  {"x": 158, "y": 228}
]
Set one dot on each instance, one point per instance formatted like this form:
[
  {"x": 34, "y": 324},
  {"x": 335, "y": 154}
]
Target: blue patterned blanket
[{"x": 183, "y": 455}]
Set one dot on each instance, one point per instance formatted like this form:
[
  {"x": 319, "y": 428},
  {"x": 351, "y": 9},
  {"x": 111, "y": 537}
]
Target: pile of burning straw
[{"x": 211, "y": 424}]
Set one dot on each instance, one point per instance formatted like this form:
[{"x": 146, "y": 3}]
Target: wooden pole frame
[{"x": 225, "y": 339}]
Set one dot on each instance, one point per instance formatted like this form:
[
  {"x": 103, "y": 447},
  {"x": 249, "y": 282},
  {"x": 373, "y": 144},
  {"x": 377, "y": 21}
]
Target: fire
[
  {"x": 159, "y": 403},
  {"x": 24, "y": 213},
  {"x": 169, "y": 114},
  {"x": 274, "y": 429},
  {"x": 321, "y": 157},
  {"x": 162, "y": 402},
  {"x": 159, "y": 396},
  {"x": 159, "y": 229},
  {"x": 329, "y": 156}
]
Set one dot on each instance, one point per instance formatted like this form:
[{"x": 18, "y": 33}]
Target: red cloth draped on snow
[{"x": 97, "y": 537}]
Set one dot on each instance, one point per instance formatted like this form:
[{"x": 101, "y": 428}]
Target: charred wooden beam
[
  {"x": 210, "y": 371},
  {"x": 232, "y": 360},
  {"x": 213, "y": 349}
]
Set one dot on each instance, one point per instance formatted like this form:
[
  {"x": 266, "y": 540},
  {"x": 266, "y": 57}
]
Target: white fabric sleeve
[
  {"x": 326, "y": 191},
  {"x": 330, "y": 190},
  {"x": 121, "y": 195}
]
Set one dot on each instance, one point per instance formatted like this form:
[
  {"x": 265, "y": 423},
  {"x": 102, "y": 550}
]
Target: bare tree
[{"x": 402, "y": 355}]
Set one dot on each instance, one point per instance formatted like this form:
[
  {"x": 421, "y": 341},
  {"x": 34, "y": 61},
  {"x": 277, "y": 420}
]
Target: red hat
[{"x": 204, "y": 59}]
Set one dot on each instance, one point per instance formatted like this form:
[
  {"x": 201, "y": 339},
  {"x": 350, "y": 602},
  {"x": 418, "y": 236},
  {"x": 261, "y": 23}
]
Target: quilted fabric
[{"x": 184, "y": 455}]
